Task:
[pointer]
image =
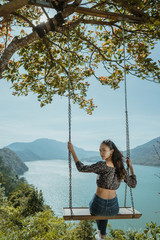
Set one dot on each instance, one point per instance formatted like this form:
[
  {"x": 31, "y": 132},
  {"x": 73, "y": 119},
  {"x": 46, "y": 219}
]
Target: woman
[{"x": 110, "y": 172}]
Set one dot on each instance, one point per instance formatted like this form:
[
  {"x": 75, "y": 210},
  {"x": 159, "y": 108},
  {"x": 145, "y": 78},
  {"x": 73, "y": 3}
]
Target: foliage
[
  {"x": 27, "y": 199},
  {"x": 24, "y": 216},
  {"x": 11, "y": 159},
  {"x": 84, "y": 230},
  {"x": 41, "y": 225},
  {"x": 151, "y": 231},
  {"x": 8, "y": 179},
  {"x": 44, "y": 225},
  {"x": 3, "y": 198},
  {"x": 96, "y": 38}
]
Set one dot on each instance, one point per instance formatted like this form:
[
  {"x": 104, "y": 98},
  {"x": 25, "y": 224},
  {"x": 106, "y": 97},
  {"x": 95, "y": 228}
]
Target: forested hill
[
  {"x": 11, "y": 159},
  {"x": 46, "y": 149}
]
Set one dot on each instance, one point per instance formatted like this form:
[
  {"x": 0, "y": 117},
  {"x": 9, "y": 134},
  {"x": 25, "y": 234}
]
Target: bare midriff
[{"x": 105, "y": 193}]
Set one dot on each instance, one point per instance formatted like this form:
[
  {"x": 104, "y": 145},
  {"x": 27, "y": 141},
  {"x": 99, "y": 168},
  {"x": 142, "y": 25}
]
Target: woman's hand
[
  {"x": 128, "y": 161},
  {"x": 70, "y": 147}
]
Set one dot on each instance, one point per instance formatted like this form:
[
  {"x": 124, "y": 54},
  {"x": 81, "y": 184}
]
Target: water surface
[{"x": 52, "y": 177}]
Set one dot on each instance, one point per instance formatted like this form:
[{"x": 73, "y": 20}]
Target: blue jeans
[{"x": 103, "y": 207}]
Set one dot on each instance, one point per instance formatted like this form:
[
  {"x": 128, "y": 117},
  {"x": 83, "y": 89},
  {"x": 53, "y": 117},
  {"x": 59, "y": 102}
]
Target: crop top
[{"x": 107, "y": 177}]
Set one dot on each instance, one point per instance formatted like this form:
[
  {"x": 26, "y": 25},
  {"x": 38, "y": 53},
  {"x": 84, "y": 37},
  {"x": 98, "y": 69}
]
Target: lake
[{"x": 52, "y": 177}]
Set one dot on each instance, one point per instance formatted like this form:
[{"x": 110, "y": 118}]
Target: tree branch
[
  {"x": 45, "y": 40},
  {"x": 13, "y": 47},
  {"x": 96, "y": 22},
  {"x": 108, "y": 15},
  {"x": 16, "y": 43},
  {"x": 97, "y": 48},
  {"x": 12, "y": 6},
  {"x": 135, "y": 11}
]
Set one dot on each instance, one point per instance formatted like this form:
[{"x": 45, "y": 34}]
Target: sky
[{"x": 23, "y": 120}]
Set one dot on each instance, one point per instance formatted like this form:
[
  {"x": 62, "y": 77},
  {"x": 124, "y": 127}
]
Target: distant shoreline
[{"x": 86, "y": 161}]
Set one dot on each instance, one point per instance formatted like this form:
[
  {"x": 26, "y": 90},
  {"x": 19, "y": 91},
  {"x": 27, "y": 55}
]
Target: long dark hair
[{"x": 117, "y": 159}]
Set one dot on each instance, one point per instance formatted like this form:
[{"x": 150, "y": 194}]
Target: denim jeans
[{"x": 103, "y": 207}]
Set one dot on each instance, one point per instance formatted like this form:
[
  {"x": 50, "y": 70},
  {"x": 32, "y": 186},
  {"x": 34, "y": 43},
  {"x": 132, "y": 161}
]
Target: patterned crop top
[{"x": 107, "y": 177}]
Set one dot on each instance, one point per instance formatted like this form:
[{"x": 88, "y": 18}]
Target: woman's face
[{"x": 105, "y": 151}]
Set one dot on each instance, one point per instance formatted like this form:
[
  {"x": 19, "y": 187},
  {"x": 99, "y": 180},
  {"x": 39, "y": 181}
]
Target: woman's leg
[
  {"x": 98, "y": 224},
  {"x": 96, "y": 207},
  {"x": 102, "y": 226}
]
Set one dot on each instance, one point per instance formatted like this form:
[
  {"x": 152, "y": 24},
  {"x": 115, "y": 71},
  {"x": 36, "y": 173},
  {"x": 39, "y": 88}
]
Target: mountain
[
  {"x": 46, "y": 149},
  {"x": 11, "y": 159},
  {"x": 144, "y": 154}
]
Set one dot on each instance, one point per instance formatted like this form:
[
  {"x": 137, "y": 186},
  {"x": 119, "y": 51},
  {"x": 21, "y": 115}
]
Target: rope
[
  {"x": 69, "y": 128},
  {"x": 127, "y": 124}
]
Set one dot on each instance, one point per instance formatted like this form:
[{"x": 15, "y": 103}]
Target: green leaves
[{"x": 42, "y": 67}]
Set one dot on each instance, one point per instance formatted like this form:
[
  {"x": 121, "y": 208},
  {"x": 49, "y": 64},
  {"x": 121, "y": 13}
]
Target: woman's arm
[
  {"x": 93, "y": 168},
  {"x": 132, "y": 179},
  {"x": 71, "y": 149}
]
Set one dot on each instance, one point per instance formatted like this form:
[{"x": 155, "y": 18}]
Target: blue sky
[{"x": 23, "y": 120}]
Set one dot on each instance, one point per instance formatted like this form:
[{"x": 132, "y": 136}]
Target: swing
[{"x": 83, "y": 213}]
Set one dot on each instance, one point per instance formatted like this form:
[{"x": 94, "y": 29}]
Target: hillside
[
  {"x": 46, "y": 149},
  {"x": 145, "y": 154},
  {"x": 11, "y": 159}
]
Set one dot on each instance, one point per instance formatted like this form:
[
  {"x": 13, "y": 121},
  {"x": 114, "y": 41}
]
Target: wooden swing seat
[{"x": 83, "y": 213}]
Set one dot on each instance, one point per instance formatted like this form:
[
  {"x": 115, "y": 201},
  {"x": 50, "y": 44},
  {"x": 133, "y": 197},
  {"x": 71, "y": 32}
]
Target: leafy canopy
[{"x": 95, "y": 39}]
